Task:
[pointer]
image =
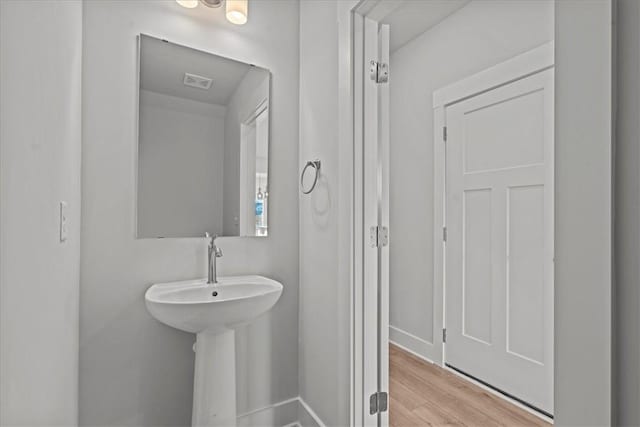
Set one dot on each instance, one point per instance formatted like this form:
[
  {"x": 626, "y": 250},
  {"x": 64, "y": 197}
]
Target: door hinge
[
  {"x": 379, "y": 72},
  {"x": 378, "y": 402},
  {"x": 444, "y": 133},
  {"x": 378, "y": 236},
  {"x": 444, "y": 234},
  {"x": 444, "y": 335}
]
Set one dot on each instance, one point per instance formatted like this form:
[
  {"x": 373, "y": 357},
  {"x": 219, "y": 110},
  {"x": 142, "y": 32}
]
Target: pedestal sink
[{"x": 212, "y": 312}]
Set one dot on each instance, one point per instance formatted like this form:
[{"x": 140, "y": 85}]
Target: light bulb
[
  {"x": 237, "y": 11},
  {"x": 189, "y": 4}
]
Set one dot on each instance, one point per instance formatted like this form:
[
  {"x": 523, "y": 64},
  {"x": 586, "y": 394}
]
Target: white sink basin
[
  {"x": 212, "y": 312},
  {"x": 194, "y": 306}
]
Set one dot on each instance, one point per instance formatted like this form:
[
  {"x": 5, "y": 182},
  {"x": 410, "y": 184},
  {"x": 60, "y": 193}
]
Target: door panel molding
[{"x": 516, "y": 68}]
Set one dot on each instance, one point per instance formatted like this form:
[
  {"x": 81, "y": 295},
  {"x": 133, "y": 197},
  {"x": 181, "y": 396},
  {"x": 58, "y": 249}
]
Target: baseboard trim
[
  {"x": 308, "y": 418},
  {"x": 413, "y": 353},
  {"x": 279, "y": 414},
  {"x": 414, "y": 345},
  {"x": 294, "y": 412}
]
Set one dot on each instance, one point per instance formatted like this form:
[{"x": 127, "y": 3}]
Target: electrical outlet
[{"x": 63, "y": 221}]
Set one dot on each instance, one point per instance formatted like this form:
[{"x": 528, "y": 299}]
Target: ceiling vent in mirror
[{"x": 196, "y": 81}]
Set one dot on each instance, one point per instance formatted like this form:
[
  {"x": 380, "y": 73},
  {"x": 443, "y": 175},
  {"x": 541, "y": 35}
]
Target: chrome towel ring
[{"x": 315, "y": 164}]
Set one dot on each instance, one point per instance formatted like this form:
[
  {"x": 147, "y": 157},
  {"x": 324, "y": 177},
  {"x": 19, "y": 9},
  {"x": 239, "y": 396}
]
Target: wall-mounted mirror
[{"x": 203, "y": 143}]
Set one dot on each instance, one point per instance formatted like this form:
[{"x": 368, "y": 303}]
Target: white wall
[
  {"x": 40, "y": 115},
  {"x": 133, "y": 370},
  {"x": 627, "y": 218},
  {"x": 324, "y": 291},
  {"x": 481, "y": 34},
  {"x": 583, "y": 206},
  {"x": 252, "y": 90},
  {"x": 180, "y": 173}
]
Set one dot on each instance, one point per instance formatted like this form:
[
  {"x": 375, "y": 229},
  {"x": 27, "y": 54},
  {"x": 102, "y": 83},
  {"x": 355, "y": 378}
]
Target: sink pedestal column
[{"x": 214, "y": 382}]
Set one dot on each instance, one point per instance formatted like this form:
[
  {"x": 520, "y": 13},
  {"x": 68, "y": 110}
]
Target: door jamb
[
  {"x": 350, "y": 108},
  {"x": 350, "y": 173}
]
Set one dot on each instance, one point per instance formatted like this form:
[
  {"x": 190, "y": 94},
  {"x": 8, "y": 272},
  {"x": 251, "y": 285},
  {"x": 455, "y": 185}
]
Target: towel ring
[{"x": 315, "y": 164}]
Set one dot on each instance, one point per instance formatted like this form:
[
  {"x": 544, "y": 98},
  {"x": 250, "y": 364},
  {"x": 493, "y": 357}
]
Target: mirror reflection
[{"x": 203, "y": 144}]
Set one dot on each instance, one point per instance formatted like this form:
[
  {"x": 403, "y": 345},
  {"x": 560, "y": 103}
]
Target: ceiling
[
  {"x": 163, "y": 65},
  {"x": 410, "y": 18}
]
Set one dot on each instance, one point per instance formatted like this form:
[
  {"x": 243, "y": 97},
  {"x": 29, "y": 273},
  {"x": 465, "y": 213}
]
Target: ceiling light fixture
[
  {"x": 212, "y": 3},
  {"x": 189, "y": 4},
  {"x": 237, "y": 11}
]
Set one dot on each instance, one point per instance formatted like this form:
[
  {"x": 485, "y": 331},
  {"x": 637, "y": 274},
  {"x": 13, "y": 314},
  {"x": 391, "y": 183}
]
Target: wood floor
[{"x": 424, "y": 394}]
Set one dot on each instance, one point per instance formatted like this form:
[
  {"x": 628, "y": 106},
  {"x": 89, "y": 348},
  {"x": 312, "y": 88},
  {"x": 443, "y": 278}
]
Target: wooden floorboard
[{"x": 424, "y": 394}]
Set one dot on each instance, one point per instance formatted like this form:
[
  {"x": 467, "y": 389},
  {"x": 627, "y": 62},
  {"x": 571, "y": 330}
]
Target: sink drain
[{"x": 214, "y": 294}]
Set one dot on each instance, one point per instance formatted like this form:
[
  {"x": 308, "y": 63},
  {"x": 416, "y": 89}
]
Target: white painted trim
[
  {"x": 439, "y": 174},
  {"x": 411, "y": 351},
  {"x": 264, "y": 408},
  {"x": 285, "y": 413},
  {"x": 350, "y": 192},
  {"x": 346, "y": 193},
  {"x": 253, "y": 114},
  {"x": 356, "y": 73},
  {"x": 371, "y": 217},
  {"x": 414, "y": 344},
  {"x": 384, "y": 154},
  {"x": 364, "y": 7},
  {"x": 136, "y": 151},
  {"x": 377, "y": 10},
  {"x": 277, "y": 410},
  {"x": 519, "y": 66},
  {"x": 311, "y": 413},
  {"x": 584, "y": 117}
]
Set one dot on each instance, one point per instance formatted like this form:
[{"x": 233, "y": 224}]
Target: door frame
[
  {"x": 247, "y": 216},
  {"x": 516, "y": 68},
  {"x": 584, "y": 145},
  {"x": 523, "y": 65},
  {"x": 350, "y": 17}
]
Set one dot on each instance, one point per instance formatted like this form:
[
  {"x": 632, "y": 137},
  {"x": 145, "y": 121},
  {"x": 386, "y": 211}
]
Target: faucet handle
[{"x": 218, "y": 252}]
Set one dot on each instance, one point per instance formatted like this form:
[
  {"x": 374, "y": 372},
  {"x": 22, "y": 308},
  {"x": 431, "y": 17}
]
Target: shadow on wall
[
  {"x": 254, "y": 371},
  {"x": 143, "y": 363},
  {"x": 321, "y": 203}
]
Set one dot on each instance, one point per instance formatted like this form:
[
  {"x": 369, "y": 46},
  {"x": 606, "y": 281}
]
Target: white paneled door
[{"x": 499, "y": 249}]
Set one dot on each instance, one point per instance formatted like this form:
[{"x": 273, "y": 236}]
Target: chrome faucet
[{"x": 213, "y": 252}]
